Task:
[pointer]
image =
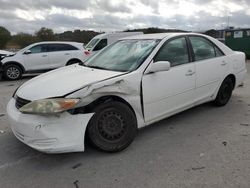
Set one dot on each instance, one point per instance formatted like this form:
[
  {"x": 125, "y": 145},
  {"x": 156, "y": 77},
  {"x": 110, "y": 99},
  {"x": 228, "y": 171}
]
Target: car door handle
[
  {"x": 44, "y": 55},
  {"x": 224, "y": 63},
  {"x": 190, "y": 73},
  {"x": 66, "y": 54}
]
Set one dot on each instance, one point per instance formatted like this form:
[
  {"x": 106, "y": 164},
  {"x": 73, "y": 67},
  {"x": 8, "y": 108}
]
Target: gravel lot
[{"x": 202, "y": 147}]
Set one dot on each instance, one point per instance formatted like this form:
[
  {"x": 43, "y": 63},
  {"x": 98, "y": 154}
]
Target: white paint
[
  {"x": 50, "y": 134},
  {"x": 68, "y": 79},
  {"x": 46, "y": 60},
  {"x": 164, "y": 93},
  {"x": 111, "y": 38}
]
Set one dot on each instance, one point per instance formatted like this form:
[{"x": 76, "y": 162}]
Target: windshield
[
  {"x": 125, "y": 55},
  {"x": 91, "y": 44}
]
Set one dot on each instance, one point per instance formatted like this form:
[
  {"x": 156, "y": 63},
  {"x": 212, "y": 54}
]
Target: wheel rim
[
  {"x": 13, "y": 72},
  {"x": 111, "y": 125}
]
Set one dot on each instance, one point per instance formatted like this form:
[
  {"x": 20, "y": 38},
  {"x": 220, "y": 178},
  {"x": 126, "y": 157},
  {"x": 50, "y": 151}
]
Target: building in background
[{"x": 236, "y": 39}]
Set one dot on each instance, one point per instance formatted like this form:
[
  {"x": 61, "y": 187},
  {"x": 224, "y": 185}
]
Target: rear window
[{"x": 203, "y": 49}]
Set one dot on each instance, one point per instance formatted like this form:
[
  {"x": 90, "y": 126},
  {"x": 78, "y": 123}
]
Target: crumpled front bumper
[{"x": 49, "y": 134}]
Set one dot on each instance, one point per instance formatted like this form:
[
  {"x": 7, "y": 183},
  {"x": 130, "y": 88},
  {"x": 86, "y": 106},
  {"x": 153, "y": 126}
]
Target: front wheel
[
  {"x": 12, "y": 72},
  {"x": 113, "y": 127},
  {"x": 225, "y": 92}
]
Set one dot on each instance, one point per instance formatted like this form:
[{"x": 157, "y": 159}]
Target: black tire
[
  {"x": 113, "y": 127},
  {"x": 74, "y": 61},
  {"x": 12, "y": 72},
  {"x": 225, "y": 92}
]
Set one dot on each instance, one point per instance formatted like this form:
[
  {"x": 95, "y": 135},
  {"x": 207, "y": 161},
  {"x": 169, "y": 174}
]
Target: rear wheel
[
  {"x": 225, "y": 92},
  {"x": 12, "y": 72},
  {"x": 113, "y": 127}
]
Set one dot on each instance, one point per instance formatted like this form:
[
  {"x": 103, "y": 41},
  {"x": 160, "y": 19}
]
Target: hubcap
[
  {"x": 13, "y": 72},
  {"x": 111, "y": 126}
]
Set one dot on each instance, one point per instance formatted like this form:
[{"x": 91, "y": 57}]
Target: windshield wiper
[
  {"x": 101, "y": 68},
  {"x": 95, "y": 67}
]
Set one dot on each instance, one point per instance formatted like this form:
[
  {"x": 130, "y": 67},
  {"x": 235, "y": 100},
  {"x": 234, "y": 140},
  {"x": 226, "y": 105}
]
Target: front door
[
  {"x": 37, "y": 59},
  {"x": 168, "y": 92}
]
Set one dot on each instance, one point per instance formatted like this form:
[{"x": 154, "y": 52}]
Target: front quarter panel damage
[{"x": 126, "y": 87}]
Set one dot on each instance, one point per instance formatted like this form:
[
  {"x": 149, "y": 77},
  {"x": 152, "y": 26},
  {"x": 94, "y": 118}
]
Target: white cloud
[
  {"x": 110, "y": 15},
  {"x": 30, "y": 15}
]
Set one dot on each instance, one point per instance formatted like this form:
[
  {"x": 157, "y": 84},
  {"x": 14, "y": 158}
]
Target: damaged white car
[{"x": 130, "y": 84}]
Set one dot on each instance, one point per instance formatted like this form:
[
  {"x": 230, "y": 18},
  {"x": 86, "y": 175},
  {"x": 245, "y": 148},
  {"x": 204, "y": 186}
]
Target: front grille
[{"x": 21, "y": 102}]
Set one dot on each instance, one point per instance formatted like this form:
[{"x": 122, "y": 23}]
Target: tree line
[{"x": 21, "y": 40}]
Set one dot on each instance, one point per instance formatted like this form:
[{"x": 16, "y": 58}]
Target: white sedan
[{"x": 130, "y": 84}]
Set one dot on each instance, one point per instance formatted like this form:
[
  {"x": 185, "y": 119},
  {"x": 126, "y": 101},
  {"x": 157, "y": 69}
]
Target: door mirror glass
[
  {"x": 158, "y": 66},
  {"x": 27, "y": 52}
]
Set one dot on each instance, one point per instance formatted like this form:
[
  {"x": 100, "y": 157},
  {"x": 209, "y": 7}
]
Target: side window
[
  {"x": 174, "y": 51},
  {"x": 67, "y": 47},
  {"x": 61, "y": 47},
  {"x": 55, "y": 47},
  {"x": 218, "y": 52},
  {"x": 39, "y": 48},
  {"x": 101, "y": 44},
  {"x": 203, "y": 49}
]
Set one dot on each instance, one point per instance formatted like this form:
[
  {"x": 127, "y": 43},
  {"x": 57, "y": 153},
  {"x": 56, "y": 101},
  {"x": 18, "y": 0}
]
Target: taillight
[{"x": 86, "y": 52}]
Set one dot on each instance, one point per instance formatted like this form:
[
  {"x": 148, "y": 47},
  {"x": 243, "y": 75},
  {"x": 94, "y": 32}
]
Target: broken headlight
[{"x": 49, "y": 106}]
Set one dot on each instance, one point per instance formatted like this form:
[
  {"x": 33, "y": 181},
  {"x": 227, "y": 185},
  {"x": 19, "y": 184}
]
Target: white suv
[{"x": 41, "y": 57}]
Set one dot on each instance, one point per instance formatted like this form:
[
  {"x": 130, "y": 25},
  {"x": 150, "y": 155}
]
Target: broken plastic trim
[{"x": 90, "y": 107}]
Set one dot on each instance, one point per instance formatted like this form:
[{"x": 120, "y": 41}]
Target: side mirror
[
  {"x": 27, "y": 52},
  {"x": 158, "y": 67}
]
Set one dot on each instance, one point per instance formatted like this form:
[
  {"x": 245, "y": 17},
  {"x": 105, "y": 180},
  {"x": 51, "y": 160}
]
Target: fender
[
  {"x": 14, "y": 63},
  {"x": 73, "y": 59}
]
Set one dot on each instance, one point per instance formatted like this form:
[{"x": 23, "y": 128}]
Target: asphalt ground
[{"x": 206, "y": 147}]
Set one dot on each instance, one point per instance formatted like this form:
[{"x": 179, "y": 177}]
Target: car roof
[
  {"x": 59, "y": 42},
  {"x": 117, "y": 34},
  {"x": 160, "y": 35}
]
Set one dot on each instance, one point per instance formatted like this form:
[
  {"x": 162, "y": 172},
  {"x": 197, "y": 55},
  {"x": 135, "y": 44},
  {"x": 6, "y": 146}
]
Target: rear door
[
  {"x": 38, "y": 58},
  {"x": 60, "y": 54},
  {"x": 211, "y": 66}
]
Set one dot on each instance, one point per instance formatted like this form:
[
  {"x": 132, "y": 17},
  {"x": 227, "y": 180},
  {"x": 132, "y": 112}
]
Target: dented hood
[{"x": 62, "y": 81}]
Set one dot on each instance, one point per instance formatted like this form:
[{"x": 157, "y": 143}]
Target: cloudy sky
[{"x": 113, "y": 15}]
